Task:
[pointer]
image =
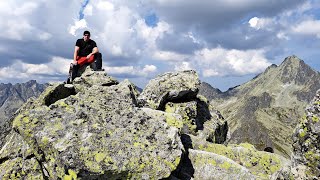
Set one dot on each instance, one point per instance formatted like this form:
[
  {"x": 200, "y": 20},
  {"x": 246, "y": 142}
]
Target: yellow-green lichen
[
  {"x": 270, "y": 163},
  {"x": 72, "y": 175},
  {"x": 247, "y": 146},
  {"x": 177, "y": 161},
  {"x": 17, "y": 121},
  {"x": 139, "y": 145},
  {"x": 45, "y": 140},
  {"x": 218, "y": 149},
  {"x": 66, "y": 106},
  {"x": 99, "y": 157},
  {"x": 303, "y": 132},
  {"x": 26, "y": 120},
  {"x": 184, "y": 111},
  {"x": 152, "y": 104},
  {"x": 225, "y": 165},
  {"x": 212, "y": 162},
  {"x": 93, "y": 166},
  {"x": 315, "y": 118},
  {"x": 170, "y": 164},
  {"x": 173, "y": 121}
]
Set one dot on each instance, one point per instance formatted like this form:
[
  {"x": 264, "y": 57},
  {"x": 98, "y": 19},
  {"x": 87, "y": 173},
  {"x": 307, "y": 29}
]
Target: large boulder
[
  {"x": 90, "y": 78},
  {"x": 169, "y": 87},
  {"x": 210, "y": 166},
  {"x": 306, "y": 138},
  {"x": 17, "y": 160},
  {"x": 97, "y": 131},
  {"x": 200, "y": 118},
  {"x": 217, "y": 161}
]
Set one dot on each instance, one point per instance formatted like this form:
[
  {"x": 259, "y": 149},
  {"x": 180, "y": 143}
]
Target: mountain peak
[
  {"x": 291, "y": 60},
  {"x": 295, "y": 69}
]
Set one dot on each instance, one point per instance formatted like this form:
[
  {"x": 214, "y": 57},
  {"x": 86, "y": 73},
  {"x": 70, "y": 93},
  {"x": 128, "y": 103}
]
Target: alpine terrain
[
  {"x": 11, "y": 98},
  {"x": 265, "y": 110}
]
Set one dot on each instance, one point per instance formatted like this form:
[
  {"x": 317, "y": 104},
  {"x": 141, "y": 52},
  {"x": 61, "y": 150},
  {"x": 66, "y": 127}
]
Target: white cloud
[
  {"x": 181, "y": 66},
  {"x": 149, "y": 68},
  {"x": 282, "y": 35},
  {"x": 105, "y": 5},
  {"x": 210, "y": 73},
  {"x": 78, "y": 24},
  {"x": 260, "y": 23},
  {"x": 25, "y": 8},
  {"x": 221, "y": 62},
  {"x": 308, "y": 27},
  {"x": 169, "y": 56},
  {"x": 116, "y": 50},
  {"x": 131, "y": 70},
  {"x": 44, "y": 36},
  {"x": 16, "y": 29},
  {"x": 88, "y": 10},
  {"x": 151, "y": 33},
  {"x": 22, "y": 71}
]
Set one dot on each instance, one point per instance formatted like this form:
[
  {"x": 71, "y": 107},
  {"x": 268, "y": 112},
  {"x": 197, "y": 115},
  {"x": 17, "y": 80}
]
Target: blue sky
[{"x": 226, "y": 42}]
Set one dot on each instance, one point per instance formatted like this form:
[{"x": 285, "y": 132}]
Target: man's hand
[
  {"x": 74, "y": 62},
  {"x": 88, "y": 57}
]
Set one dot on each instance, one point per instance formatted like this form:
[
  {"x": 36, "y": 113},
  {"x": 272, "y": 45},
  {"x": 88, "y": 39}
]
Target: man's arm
[
  {"x": 75, "y": 54},
  {"x": 94, "y": 50}
]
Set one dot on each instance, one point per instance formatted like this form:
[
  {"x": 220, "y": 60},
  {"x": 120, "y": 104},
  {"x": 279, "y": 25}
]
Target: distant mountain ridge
[
  {"x": 12, "y": 96},
  {"x": 265, "y": 110}
]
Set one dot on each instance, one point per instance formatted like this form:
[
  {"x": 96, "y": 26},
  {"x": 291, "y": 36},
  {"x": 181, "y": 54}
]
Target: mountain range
[
  {"x": 12, "y": 97},
  {"x": 265, "y": 110}
]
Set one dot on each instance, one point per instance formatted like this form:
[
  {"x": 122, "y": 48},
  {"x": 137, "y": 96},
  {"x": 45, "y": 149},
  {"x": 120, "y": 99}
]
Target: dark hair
[{"x": 86, "y": 32}]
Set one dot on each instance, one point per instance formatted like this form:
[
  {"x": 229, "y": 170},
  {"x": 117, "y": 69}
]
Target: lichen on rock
[
  {"x": 98, "y": 128},
  {"x": 306, "y": 140},
  {"x": 169, "y": 87}
]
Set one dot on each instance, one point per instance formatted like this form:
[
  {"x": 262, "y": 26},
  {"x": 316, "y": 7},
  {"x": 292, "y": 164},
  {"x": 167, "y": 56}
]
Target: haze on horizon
[{"x": 226, "y": 42}]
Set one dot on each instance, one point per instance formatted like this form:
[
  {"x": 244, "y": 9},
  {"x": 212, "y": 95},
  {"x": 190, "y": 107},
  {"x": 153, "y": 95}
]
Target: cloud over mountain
[{"x": 165, "y": 34}]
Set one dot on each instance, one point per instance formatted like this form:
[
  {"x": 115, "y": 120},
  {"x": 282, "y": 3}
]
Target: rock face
[
  {"x": 11, "y": 99},
  {"x": 99, "y": 132},
  {"x": 13, "y": 96},
  {"x": 161, "y": 89},
  {"x": 265, "y": 110},
  {"x": 210, "y": 92},
  {"x": 307, "y": 140},
  {"x": 98, "y": 128}
]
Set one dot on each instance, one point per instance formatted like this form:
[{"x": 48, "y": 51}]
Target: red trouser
[{"x": 83, "y": 60}]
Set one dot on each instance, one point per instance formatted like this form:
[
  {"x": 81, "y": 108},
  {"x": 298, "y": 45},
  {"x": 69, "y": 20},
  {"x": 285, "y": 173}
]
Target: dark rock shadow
[
  {"x": 185, "y": 168},
  {"x": 221, "y": 133},
  {"x": 60, "y": 92},
  {"x": 182, "y": 98},
  {"x": 203, "y": 114},
  {"x": 269, "y": 149}
]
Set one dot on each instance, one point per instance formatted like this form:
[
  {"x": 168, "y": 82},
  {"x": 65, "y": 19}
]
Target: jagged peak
[{"x": 291, "y": 60}]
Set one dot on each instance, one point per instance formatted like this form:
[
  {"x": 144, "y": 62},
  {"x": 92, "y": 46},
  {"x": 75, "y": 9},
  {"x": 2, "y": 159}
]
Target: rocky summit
[{"x": 99, "y": 128}]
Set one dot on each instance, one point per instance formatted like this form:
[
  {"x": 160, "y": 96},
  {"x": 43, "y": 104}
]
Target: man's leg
[
  {"x": 73, "y": 71},
  {"x": 98, "y": 61}
]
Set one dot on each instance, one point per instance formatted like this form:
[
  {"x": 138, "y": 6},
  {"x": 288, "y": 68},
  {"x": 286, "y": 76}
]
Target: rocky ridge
[
  {"x": 12, "y": 97},
  {"x": 265, "y": 110},
  {"x": 98, "y": 128}
]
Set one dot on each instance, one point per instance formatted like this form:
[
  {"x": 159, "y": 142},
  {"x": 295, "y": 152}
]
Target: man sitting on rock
[{"x": 86, "y": 53}]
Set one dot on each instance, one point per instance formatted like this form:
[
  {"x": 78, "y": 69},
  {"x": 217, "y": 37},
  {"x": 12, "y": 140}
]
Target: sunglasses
[{"x": 86, "y": 35}]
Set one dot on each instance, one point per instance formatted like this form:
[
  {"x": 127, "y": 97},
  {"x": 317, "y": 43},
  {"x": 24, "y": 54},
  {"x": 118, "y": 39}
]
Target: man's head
[{"x": 86, "y": 35}]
